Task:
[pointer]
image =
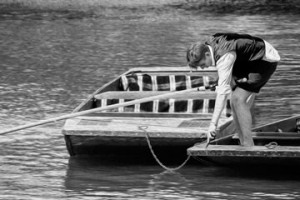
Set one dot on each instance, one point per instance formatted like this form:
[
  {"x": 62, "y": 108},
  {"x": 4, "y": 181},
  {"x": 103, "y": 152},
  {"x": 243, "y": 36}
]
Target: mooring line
[{"x": 143, "y": 128}]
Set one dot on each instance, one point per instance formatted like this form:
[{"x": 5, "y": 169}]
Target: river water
[{"x": 51, "y": 61}]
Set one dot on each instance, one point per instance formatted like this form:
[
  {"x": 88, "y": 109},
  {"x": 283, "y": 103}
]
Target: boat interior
[
  {"x": 186, "y": 112},
  {"x": 280, "y": 133}
]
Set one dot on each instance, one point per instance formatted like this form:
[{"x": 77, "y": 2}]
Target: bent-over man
[{"x": 244, "y": 63}]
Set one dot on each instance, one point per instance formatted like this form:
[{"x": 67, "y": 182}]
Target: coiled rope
[
  {"x": 144, "y": 129},
  {"x": 272, "y": 145}
]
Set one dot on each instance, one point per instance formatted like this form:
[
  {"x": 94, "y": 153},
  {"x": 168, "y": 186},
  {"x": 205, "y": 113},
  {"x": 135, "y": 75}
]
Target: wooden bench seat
[
  {"x": 192, "y": 102},
  {"x": 144, "y": 94}
]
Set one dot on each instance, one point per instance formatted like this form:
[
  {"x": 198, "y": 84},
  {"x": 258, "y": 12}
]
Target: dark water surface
[{"x": 49, "y": 63}]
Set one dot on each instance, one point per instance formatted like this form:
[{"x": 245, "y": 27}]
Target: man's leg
[
  {"x": 236, "y": 122},
  {"x": 250, "y": 101},
  {"x": 243, "y": 115}
]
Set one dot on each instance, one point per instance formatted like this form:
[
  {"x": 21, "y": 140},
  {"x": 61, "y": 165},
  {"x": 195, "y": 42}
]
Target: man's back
[{"x": 247, "y": 47}]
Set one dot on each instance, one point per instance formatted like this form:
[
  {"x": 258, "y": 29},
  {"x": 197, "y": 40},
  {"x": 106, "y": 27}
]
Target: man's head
[{"x": 198, "y": 55}]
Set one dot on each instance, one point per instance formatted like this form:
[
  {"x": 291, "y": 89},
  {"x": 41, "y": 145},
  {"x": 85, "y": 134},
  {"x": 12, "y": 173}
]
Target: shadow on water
[
  {"x": 92, "y": 173},
  {"x": 89, "y": 176},
  {"x": 260, "y": 172}
]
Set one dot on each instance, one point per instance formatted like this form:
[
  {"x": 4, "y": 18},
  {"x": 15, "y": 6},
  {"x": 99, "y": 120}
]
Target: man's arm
[
  {"x": 219, "y": 106},
  {"x": 224, "y": 67}
]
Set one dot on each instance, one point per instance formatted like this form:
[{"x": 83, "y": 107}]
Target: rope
[
  {"x": 272, "y": 145},
  {"x": 207, "y": 140},
  {"x": 143, "y": 128}
]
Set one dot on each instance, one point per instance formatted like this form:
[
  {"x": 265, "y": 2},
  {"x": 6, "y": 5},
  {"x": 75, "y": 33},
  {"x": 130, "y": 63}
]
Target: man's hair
[{"x": 195, "y": 53}]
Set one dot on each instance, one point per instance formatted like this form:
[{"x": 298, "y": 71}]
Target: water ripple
[{"x": 49, "y": 66}]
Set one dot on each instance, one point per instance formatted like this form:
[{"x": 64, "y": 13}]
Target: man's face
[
  {"x": 206, "y": 61},
  {"x": 203, "y": 63}
]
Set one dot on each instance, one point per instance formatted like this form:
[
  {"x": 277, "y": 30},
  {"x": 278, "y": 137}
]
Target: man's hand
[
  {"x": 242, "y": 80},
  {"x": 211, "y": 134},
  {"x": 234, "y": 82},
  {"x": 212, "y": 130}
]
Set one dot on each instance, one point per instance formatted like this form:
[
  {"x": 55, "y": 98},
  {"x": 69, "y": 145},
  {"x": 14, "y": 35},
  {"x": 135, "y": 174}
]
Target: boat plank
[
  {"x": 241, "y": 151},
  {"x": 203, "y": 116},
  {"x": 201, "y": 135},
  {"x": 172, "y": 69}
]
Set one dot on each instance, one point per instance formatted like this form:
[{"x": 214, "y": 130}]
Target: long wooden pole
[{"x": 129, "y": 103}]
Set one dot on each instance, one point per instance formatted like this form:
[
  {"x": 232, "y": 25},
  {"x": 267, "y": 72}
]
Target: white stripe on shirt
[
  {"x": 224, "y": 67},
  {"x": 271, "y": 54},
  {"x": 212, "y": 55}
]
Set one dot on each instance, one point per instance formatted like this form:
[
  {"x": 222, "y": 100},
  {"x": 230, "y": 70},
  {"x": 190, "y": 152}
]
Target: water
[{"x": 51, "y": 61}]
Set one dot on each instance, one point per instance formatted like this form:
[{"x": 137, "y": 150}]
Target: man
[{"x": 244, "y": 63}]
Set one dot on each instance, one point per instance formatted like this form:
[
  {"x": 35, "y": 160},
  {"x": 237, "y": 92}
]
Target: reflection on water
[
  {"x": 50, "y": 64},
  {"x": 192, "y": 182}
]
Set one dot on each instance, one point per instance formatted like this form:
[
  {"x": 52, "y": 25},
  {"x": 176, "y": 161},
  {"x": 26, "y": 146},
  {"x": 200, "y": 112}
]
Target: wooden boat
[
  {"x": 276, "y": 144},
  {"x": 172, "y": 124}
]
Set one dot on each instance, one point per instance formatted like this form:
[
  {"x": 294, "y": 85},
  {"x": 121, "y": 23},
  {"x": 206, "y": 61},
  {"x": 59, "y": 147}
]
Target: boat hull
[{"x": 133, "y": 148}]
